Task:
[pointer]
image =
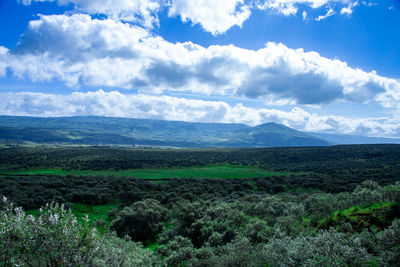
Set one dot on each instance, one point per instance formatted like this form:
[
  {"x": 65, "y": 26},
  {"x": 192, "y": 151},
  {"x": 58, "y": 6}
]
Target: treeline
[
  {"x": 293, "y": 158},
  {"x": 35, "y": 190},
  {"x": 376, "y": 162}
]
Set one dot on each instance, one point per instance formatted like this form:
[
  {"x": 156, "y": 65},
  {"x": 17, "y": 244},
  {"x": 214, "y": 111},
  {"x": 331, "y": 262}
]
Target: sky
[{"x": 330, "y": 66}]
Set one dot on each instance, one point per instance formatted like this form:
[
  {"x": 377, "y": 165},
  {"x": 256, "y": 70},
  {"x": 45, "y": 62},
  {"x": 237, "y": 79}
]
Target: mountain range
[
  {"x": 92, "y": 130},
  {"x": 124, "y": 131}
]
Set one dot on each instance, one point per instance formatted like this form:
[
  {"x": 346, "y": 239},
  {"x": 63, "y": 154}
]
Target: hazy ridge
[{"x": 124, "y": 131}]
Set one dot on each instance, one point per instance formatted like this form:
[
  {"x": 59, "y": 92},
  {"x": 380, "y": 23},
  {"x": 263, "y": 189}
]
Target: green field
[{"x": 212, "y": 171}]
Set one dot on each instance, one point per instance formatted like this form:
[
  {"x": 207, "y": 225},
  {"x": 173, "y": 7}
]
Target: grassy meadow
[{"x": 211, "y": 171}]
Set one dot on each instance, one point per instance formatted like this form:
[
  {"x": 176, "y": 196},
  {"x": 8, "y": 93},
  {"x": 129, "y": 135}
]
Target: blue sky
[{"x": 314, "y": 65}]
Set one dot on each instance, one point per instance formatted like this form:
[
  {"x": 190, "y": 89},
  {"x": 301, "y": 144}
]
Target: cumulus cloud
[
  {"x": 140, "y": 11},
  {"x": 79, "y": 51},
  {"x": 215, "y": 17},
  {"x": 115, "y": 104}
]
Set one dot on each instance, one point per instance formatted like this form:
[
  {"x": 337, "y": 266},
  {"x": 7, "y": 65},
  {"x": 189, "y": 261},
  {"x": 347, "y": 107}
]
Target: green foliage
[
  {"x": 376, "y": 216},
  {"x": 177, "y": 252},
  {"x": 240, "y": 253},
  {"x": 98, "y": 215},
  {"x": 258, "y": 231},
  {"x": 326, "y": 216},
  {"x": 55, "y": 238},
  {"x": 141, "y": 221},
  {"x": 115, "y": 251},
  {"x": 389, "y": 241},
  {"x": 370, "y": 206},
  {"x": 326, "y": 248}
]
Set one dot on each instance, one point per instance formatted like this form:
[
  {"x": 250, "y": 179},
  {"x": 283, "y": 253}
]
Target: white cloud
[
  {"x": 82, "y": 51},
  {"x": 349, "y": 9},
  {"x": 215, "y": 17},
  {"x": 115, "y": 104},
  {"x": 346, "y": 11},
  {"x": 3, "y": 62},
  {"x": 304, "y": 15},
  {"x": 289, "y": 7},
  {"x": 140, "y": 11},
  {"x": 328, "y": 14}
]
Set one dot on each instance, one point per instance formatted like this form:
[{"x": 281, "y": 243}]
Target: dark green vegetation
[
  {"x": 308, "y": 206},
  {"x": 121, "y": 131}
]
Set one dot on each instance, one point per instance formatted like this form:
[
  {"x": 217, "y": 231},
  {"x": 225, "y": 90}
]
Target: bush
[
  {"x": 115, "y": 251},
  {"x": 326, "y": 248},
  {"x": 142, "y": 221},
  {"x": 389, "y": 241},
  {"x": 55, "y": 238}
]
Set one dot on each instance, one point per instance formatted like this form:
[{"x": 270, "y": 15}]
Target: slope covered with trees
[
  {"x": 333, "y": 206},
  {"x": 124, "y": 131}
]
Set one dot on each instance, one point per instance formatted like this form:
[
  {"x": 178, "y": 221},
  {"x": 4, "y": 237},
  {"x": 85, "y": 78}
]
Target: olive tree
[{"x": 141, "y": 221}]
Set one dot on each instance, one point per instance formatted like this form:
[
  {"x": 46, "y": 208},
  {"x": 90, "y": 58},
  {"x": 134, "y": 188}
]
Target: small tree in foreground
[{"x": 55, "y": 238}]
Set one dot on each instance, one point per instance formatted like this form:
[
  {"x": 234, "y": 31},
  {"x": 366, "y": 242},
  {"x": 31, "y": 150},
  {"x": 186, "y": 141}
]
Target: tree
[
  {"x": 55, "y": 238},
  {"x": 142, "y": 221}
]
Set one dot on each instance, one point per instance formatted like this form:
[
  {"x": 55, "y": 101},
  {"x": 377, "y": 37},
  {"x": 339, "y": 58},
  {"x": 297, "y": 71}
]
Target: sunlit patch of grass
[
  {"x": 211, "y": 171},
  {"x": 376, "y": 215},
  {"x": 153, "y": 247},
  {"x": 95, "y": 213}
]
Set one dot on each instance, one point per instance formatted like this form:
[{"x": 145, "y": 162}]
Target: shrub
[
  {"x": 141, "y": 221},
  {"x": 55, "y": 238}
]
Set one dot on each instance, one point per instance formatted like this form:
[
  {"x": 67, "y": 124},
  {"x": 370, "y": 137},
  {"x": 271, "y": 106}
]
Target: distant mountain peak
[{"x": 272, "y": 125}]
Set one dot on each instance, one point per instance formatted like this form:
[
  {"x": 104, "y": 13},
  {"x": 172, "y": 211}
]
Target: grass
[
  {"x": 357, "y": 210},
  {"x": 98, "y": 212},
  {"x": 375, "y": 215},
  {"x": 153, "y": 247},
  {"x": 211, "y": 171}
]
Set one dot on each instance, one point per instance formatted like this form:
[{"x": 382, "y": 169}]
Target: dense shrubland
[
  {"x": 296, "y": 220},
  {"x": 284, "y": 229},
  {"x": 330, "y": 169}
]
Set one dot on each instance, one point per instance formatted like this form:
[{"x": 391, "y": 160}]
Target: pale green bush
[{"x": 55, "y": 238}]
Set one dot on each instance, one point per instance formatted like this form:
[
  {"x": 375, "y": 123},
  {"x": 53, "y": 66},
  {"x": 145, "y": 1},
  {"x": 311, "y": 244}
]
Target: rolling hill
[{"x": 123, "y": 131}]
